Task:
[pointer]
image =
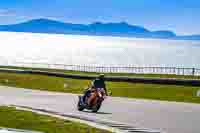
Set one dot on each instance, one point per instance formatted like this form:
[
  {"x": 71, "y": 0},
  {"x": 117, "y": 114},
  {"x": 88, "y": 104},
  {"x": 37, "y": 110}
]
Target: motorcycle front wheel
[
  {"x": 97, "y": 106},
  {"x": 80, "y": 107}
]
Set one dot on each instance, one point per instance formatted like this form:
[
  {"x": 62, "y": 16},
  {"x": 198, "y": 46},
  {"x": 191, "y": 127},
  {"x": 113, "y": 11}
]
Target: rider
[{"x": 97, "y": 83}]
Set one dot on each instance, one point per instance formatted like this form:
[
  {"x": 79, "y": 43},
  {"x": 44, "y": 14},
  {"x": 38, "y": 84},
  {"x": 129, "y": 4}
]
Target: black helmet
[{"x": 101, "y": 76}]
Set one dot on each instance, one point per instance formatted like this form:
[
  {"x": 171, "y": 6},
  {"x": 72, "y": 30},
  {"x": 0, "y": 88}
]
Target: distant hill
[{"x": 97, "y": 28}]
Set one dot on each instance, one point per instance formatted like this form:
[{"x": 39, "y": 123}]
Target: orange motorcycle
[{"x": 93, "y": 101}]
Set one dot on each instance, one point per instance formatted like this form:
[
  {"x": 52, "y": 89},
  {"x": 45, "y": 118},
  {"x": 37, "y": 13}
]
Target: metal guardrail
[{"x": 113, "y": 69}]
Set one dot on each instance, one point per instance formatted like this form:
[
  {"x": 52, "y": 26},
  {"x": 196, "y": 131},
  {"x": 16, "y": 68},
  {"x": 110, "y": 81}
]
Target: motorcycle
[{"x": 92, "y": 102}]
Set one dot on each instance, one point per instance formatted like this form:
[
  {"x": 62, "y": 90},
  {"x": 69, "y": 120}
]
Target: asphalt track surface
[{"x": 144, "y": 115}]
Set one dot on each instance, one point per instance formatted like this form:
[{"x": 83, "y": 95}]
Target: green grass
[
  {"x": 12, "y": 118},
  {"x": 119, "y": 89},
  {"x": 109, "y": 74}
]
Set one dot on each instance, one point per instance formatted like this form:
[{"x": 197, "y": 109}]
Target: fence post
[
  {"x": 174, "y": 70},
  {"x": 193, "y": 71}
]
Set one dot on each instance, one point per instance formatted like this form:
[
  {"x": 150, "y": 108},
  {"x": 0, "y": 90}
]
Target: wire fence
[{"x": 113, "y": 69}]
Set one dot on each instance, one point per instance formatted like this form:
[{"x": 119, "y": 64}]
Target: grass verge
[
  {"x": 119, "y": 89},
  {"x": 12, "y": 118}
]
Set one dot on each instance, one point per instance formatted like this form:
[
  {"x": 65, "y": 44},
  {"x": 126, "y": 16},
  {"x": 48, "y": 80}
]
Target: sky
[{"x": 180, "y": 16}]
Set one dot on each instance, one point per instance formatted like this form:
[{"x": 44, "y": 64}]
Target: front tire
[
  {"x": 80, "y": 107},
  {"x": 97, "y": 107}
]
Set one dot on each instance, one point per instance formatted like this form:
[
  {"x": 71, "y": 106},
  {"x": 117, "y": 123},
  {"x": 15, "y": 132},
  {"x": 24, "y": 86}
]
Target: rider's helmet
[{"x": 101, "y": 76}]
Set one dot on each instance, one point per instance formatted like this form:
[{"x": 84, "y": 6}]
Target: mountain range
[{"x": 121, "y": 29}]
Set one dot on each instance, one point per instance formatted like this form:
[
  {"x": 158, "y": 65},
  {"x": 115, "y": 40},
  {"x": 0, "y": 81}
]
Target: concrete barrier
[{"x": 168, "y": 81}]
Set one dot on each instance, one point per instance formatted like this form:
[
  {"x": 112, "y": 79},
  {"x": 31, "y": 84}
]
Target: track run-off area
[{"x": 130, "y": 115}]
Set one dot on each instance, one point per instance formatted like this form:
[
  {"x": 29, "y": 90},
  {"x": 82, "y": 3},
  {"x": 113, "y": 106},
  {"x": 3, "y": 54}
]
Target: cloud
[{"x": 6, "y": 13}]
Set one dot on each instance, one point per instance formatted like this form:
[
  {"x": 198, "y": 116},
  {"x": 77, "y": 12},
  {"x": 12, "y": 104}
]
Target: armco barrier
[{"x": 169, "y": 81}]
